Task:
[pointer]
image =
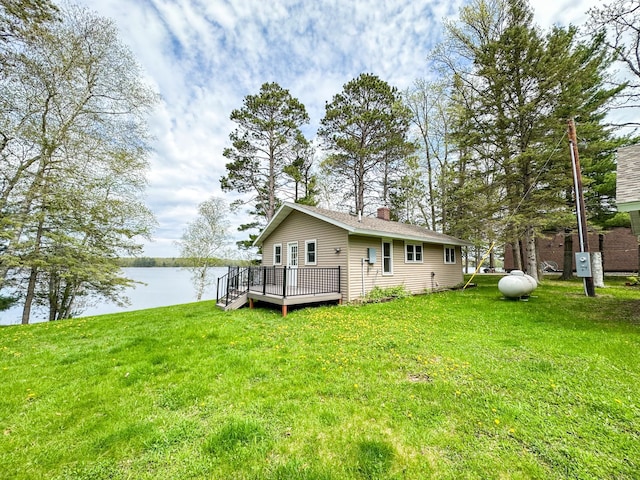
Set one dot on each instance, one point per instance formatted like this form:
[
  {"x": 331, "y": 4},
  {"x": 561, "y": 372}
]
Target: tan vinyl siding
[
  {"x": 415, "y": 277},
  {"x": 371, "y": 274},
  {"x": 447, "y": 275},
  {"x": 298, "y": 227}
]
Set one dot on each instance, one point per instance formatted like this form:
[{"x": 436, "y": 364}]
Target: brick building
[{"x": 619, "y": 247}]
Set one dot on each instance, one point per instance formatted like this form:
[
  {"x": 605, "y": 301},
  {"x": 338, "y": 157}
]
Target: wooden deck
[
  {"x": 295, "y": 296},
  {"x": 279, "y": 285}
]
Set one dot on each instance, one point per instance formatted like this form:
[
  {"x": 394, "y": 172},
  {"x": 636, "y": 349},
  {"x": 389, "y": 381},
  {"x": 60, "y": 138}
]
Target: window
[
  {"x": 413, "y": 253},
  {"x": 277, "y": 254},
  {"x": 310, "y": 252},
  {"x": 387, "y": 263},
  {"x": 449, "y": 254}
]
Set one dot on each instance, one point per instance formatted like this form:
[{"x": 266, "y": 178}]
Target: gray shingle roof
[
  {"x": 368, "y": 226},
  {"x": 628, "y": 178}
]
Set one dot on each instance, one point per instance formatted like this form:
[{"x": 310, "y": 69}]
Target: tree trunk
[
  {"x": 515, "y": 253},
  {"x": 271, "y": 195},
  {"x": 68, "y": 296},
  {"x": 567, "y": 264},
  {"x": 54, "y": 287},
  {"x": 466, "y": 260},
  {"x": 33, "y": 277},
  {"x": 532, "y": 264},
  {"x": 432, "y": 202},
  {"x": 596, "y": 270},
  {"x": 601, "y": 250},
  {"x": 28, "y": 300},
  {"x": 360, "y": 187},
  {"x": 538, "y": 265}
]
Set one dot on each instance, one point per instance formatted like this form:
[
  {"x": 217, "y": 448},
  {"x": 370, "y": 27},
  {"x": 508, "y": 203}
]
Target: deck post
[
  {"x": 284, "y": 282},
  {"x": 284, "y": 310},
  {"x": 251, "y": 304},
  {"x": 264, "y": 280}
]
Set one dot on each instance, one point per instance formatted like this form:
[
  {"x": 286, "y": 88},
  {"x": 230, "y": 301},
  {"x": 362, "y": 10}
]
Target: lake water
[{"x": 164, "y": 286}]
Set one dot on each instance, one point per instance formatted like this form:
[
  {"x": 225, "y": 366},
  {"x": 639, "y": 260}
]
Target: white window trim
[
  {"x": 306, "y": 252},
  {"x": 274, "y": 253},
  {"x": 406, "y": 260},
  {"x": 455, "y": 255},
  {"x": 390, "y": 272}
]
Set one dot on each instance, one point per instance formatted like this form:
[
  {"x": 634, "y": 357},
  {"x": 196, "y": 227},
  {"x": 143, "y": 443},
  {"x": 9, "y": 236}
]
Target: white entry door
[{"x": 292, "y": 263}]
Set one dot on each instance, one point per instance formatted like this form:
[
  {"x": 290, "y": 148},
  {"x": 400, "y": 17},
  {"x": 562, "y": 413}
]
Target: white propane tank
[{"x": 517, "y": 284}]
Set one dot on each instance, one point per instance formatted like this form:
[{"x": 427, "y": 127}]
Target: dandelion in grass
[{"x": 497, "y": 421}]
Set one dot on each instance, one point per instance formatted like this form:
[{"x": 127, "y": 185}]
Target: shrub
[{"x": 377, "y": 294}]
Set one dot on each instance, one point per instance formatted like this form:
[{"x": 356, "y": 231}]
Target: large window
[
  {"x": 413, "y": 252},
  {"x": 277, "y": 254},
  {"x": 387, "y": 258},
  {"x": 310, "y": 252},
  {"x": 449, "y": 254}
]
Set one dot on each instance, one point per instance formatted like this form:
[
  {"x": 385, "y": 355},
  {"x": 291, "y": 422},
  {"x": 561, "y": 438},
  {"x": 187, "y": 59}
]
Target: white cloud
[
  {"x": 204, "y": 56},
  {"x": 562, "y": 12}
]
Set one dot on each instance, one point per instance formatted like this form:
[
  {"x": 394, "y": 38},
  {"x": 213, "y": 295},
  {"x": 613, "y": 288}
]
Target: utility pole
[{"x": 589, "y": 288}]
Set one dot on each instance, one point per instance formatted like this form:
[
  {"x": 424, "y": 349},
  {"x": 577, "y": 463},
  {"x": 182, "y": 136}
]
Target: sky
[{"x": 205, "y": 56}]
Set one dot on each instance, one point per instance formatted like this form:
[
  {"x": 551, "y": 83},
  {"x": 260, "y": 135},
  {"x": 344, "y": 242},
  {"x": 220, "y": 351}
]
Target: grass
[{"x": 447, "y": 386}]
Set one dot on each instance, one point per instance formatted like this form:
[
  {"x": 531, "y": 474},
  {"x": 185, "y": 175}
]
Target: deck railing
[
  {"x": 279, "y": 281},
  {"x": 232, "y": 285},
  {"x": 293, "y": 281}
]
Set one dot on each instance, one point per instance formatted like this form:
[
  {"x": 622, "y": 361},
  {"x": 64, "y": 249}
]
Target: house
[
  {"x": 312, "y": 254},
  {"x": 628, "y": 184}
]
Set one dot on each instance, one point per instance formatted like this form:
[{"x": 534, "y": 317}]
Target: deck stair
[
  {"x": 238, "y": 301},
  {"x": 232, "y": 289}
]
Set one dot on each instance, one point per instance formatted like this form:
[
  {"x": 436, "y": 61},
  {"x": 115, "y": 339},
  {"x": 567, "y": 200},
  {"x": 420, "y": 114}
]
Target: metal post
[
  {"x": 284, "y": 282},
  {"x": 580, "y": 209},
  {"x": 264, "y": 280}
]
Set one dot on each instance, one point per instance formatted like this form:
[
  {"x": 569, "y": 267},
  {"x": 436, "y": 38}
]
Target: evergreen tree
[
  {"x": 514, "y": 89},
  {"x": 365, "y": 131},
  {"x": 266, "y": 145}
]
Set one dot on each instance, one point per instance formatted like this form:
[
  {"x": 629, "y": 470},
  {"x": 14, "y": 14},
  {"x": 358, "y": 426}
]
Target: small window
[
  {"x": 277, "y": 254},
  {"x": 387, "y": 263},
  {"x": 449, "y": 254},
  {"x": 310, "y": 252},
  {"x": 413, "y": 253}
]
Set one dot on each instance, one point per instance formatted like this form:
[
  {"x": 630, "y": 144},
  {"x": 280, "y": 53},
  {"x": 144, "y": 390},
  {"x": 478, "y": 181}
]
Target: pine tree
[
  {"x": 266, "y": 144},
  {"x": 365, "y": 131}
]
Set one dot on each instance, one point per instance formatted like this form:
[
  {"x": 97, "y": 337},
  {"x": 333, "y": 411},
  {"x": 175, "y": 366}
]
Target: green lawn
[{"x": 452, "y": 385}]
